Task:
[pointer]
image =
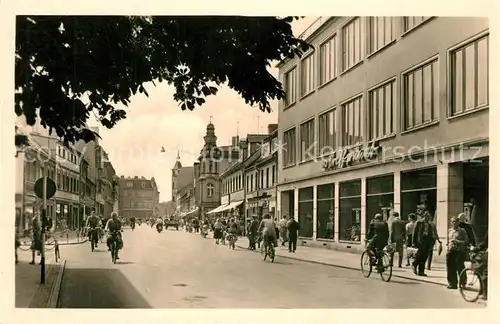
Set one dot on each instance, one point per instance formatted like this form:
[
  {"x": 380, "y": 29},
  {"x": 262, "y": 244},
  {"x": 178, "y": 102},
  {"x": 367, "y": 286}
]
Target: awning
[
  {"x": 217, "y": 209},
  {"x": 189, "y": 213},
  {"x": 232, "y": 205}
]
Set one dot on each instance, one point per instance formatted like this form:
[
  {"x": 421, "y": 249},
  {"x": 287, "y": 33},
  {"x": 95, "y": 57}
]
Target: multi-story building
[
  {"x": 109, "y": 184},
  {"x": 248, "y": 185},
  {"x": 386, "y": 113},
  {"x": 166, "y": 208},
  {"x": 260, "y": 179},
  {"x": 182, "y": 177},
  {"x": 138, "y": 197}
]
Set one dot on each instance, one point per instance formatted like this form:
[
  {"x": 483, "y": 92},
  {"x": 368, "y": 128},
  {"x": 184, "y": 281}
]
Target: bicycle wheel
[
  {"x": 272, "y": 253},
  {"x": 473, "y": 287},
  {"x": 263, "y": 252},
  {"x": 386, "y": 269},
  {"x": 25, "y": 243},
  {"x": 114, "y": 250},
  {"x": 366, "y": 264}
]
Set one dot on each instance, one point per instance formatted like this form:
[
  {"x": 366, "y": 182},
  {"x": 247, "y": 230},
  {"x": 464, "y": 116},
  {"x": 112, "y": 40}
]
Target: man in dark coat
[
  {"x": 378, "y": 234},
  {"x": 293, "y": 230},
  {"x": 397, "y": 229},
  {"x": 423, "y": 239}
]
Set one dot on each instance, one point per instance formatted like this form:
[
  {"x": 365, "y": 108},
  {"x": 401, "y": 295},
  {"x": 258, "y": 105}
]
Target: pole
[{"x": 44, "y": 217}]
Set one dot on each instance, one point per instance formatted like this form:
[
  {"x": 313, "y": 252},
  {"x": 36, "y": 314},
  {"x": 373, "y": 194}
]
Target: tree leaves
[{"x": 62, "y": 60}]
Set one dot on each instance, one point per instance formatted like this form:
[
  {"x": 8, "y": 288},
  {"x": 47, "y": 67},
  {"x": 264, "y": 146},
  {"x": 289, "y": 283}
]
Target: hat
[{"x": 378, "y": 216}]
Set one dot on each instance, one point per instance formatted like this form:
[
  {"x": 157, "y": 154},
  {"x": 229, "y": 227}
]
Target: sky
[{"x": 134, "y": 144}]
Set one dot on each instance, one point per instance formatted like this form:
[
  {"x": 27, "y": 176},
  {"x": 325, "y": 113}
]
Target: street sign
[{"x": 51, "y": 188}]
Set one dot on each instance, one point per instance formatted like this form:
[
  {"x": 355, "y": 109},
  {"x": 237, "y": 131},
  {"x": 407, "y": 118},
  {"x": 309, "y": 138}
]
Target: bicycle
[
  {"x": 382, "y": 262},
  {"x": 478, "y": 273},
  {"x": 114, "y": 246},
  {"x": 26, "y": 242},
  {"x": 267, "y": 249}
]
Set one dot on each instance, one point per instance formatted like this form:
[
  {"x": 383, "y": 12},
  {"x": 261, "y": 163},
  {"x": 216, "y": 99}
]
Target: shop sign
[{"x": 345, "y": 157}]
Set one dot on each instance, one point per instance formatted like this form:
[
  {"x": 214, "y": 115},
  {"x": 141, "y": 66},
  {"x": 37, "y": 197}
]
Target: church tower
[{"x": 175, "y": 173}]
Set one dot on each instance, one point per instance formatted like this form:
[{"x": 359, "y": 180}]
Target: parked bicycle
[
  {"x": 382, "y": 262},
  {"x": 475, "y": 275}
]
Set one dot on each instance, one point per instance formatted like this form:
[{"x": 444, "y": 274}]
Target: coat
[
  {"x": 378, "y": 233},
  {"x": 397, "y": 230}
]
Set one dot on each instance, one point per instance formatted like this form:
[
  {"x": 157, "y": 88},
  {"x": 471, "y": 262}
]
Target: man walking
[
  {"x": 293, "y": 230},
  {"x": 283, "y": 230},
  {"x": 397, "y": 237},
  {"x": 423, "y": 239}
]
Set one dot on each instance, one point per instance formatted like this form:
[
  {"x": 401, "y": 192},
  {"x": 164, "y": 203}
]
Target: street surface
[{"x": 176, "y": 269}]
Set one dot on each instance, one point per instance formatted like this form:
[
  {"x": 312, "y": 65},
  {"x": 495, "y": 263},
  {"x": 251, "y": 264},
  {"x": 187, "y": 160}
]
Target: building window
[
  {"x": 379, "y": 198},
  {"x": 261, "y": 179},
  {"x": 421, "y": 95},
  {"x": 352, "y": 122},
  {"x": 290, "y": 143},
  {"x": 306, "y": 141},
  {"x": 143, "y": 185},
  {"x": 291, "y": 86},
  {"x": 325, "y": 210},
  {"x": 382, "y": 31},
  {"x": 412, "y": 22},
  {"x": 306, "y": 212},
  {"x": 274, "y": 175},
  {"x": 351, "y": 44},
  {"x": 469, "y": 76},
  {"x": 210, "y": 190},
  {"x": 381, "y": 106},
  {"x": 327, "y": 133},
  {"x": 130, "y": 184},
  {"x": 251, "y": 183},
  {"x": 350, "y": 211},
  {"x": 418, "y": 188},
  {"x": 267, "y": 177},
  {"x": 328, "y": 60},
  {"x": 210, "y": 166},
  {"x": 248, "y": 183},
  {"x": 307, "y": 75}
]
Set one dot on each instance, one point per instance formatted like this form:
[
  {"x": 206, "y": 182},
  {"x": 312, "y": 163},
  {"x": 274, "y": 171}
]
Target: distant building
[
  {"x": 138, "y": 197},
  {"x": 166, "y": 208}
]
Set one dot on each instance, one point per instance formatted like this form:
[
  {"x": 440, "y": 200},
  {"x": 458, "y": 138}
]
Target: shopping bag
[{"x": 440, "y": 248}]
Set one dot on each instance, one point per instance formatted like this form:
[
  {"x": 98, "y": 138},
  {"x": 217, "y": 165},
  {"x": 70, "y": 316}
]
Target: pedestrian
[
  {"x": 436, "y": 238},
  {"x": 283, "y": 230},
  {"x": 17, "y": 244},
  {"x": 253, "y": 232},
  {"x": 196, "y": 225},
  {"x": 397, "y": 237},
  {"x": 423, "y": 239},
  {"x": 217, "y": 231},
  {"x": 36, "y": 239},
  {"x": 293, "y": 231},
  {"x": 462, "y": 223},
  {"x": 455, "y": 257},
  {"x": 409, "y": 236}
]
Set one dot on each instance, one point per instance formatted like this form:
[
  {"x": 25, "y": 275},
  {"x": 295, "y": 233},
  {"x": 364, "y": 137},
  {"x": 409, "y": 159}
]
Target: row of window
[
  {"x": 261, "y": 179},
  {"x": 209, "y": 166},
  {"x": 144, "y": 184},
  {"x": 67, "y": 154},
  {"x": 468, "y": 79},
  {"x": 417, "y": 187},
  {"x": 232, "y": 184},
  {"x": 137, "y": 204},
  {"x": 351, "y": 49}
]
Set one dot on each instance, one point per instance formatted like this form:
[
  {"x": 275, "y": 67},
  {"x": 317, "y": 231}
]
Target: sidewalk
[
  {"x": 69, "y": 237},
  {"x": 28, "y": 290},
  {"x": 352, "y": 261}
]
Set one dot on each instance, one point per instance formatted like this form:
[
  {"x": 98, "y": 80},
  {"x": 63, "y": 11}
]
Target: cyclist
[
  {"x": 377, "y": 237},
  {"x": 268, "y": 228},
  {"x": 114, "y": 226},
  {"x": 132, "y": 222},
  {"x": 92, "y": 224}
]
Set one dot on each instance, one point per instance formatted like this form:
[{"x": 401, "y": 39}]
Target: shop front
[{"x": 339, "y": 206}]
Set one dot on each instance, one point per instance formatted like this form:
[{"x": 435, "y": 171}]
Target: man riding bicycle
[
  {"x": 377, "y": 237},
  {"x": 268, "y": 228},
  {"x": 114, "y": 227},
  {"x": 93, "y": 224}
]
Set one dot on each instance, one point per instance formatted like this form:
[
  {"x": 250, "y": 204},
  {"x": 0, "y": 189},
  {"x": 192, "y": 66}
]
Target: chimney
[
  {"x": 235, "y": 140},
  {"x": 271, "y": 128}
]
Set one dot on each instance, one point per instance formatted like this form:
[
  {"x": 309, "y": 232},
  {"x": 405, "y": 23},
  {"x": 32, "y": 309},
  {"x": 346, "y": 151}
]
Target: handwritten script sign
[{"x": 345, "y": 157}]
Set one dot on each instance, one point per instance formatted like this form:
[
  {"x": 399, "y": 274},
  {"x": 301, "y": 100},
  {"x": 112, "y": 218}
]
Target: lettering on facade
[{"x": 345, "y": 157}]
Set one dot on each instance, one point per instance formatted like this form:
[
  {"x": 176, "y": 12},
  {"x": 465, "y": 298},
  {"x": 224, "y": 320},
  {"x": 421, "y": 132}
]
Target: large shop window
[
  {"x": 381, "y": 106},
  {"x": 379, "y": 197},
  {"x": 306, "y": 212},
  {"x": 421, "y": 95},
  {"x": 382, "y": 32},
  {"x": 325, "y": 211},
  {"x": 307, "y": 141},
  {"x": 291, "y": 87},
  {"x": 352, "y": 39},
  {"x": 469, "y": 76},
  {"x": 350, "y": 211},
  {"x": 418, "y": 188},
  {"x": 328, "y": 60},
  {"x": 327, "y": 134},
  {"x": 307, "y": 75},
  {"x": 290, "y": 149},
  {"x": 353, "y": 122}
]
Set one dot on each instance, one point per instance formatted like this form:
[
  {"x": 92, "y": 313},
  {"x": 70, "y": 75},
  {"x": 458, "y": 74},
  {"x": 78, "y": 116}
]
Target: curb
[
  {"x": 346, "y": 267},
  {"x": 56, "y": 287}
]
